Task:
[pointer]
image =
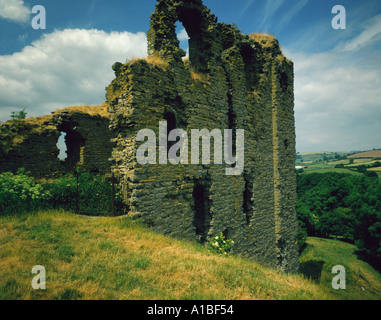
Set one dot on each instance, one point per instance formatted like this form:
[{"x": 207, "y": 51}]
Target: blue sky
[{"x": 337, "y": 72}]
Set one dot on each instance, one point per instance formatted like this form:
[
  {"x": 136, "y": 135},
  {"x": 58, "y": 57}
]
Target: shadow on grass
[{"x": 312, "y": 269}]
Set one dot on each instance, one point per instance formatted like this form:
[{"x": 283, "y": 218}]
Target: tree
[
  {"x": 17, "y": 115},
  {"x": 371, "y": 174},
  {"x": 345, "y": 206}
]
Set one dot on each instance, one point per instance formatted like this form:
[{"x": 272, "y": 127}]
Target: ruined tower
[{"x": 230, "y": 81}]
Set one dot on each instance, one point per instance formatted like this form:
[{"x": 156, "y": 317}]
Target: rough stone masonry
[
  {"x": 32, "y": 143},
  {"x": 230, "y": 81}
]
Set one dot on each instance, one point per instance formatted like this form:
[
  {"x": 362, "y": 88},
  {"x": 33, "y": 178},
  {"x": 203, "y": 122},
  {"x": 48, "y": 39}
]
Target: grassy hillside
[
  {"x": 314, "y": 162},
  {"x": 367, "y": 154},
  {"x": 321, "y": 255},
  {"x": 108, "y": 258}
]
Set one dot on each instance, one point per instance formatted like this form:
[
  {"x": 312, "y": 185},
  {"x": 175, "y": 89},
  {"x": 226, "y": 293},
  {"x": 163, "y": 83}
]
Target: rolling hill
[{"x": 119, "y": 259}]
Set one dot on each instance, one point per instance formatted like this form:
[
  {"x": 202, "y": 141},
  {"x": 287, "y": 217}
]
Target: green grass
[
  {"x": 321, "y": 168},
  {"x": 111, "y": 258},
  {"x": 316, "y": 156},
  {"x": 320, "y": 255}
]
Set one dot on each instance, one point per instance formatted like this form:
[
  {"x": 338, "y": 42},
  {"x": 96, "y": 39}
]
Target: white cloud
[
  {"x": 64, "y": 68},
  {"x": 366, "y": 36},
  {"x": 14, "y": 10},
  {"x": 182, "y": 35},
  {"x": 337, "y": 102}
]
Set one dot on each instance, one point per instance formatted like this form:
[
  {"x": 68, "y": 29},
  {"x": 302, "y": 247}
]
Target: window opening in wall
[
  {"x": 193, "y": 23},
  {"x": 286, "y": 143},
  {"x": 202, "y": 214},
  {"x": 75, "y": 143},
  {"x": 247, "y": 201},
  {"x": 61, "y": 145},
  {"x": 171, "y": 125},
  {"x": 251, "y": 73},
  {"x": 183, "y": 38}
]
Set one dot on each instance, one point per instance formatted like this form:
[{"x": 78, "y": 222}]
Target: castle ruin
[
  {"x": 230, "y": 81},
  {"x": 32, "y": 143}
]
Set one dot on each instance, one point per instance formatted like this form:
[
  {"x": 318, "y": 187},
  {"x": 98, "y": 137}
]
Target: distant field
[
  {"x": 317, "y": 169},
  {"x": 316, "y": 156},
  {"x": 377, "y": 169},
  {"x": 368, "y": 154},
  {"x": 315, "y": 163},
  {"x": 356, "y": 162}
]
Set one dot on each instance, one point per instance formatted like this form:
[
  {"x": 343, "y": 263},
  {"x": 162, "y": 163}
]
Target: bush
[
  {"x": 371, "y": 174},
  {"x": 94, "y": 194},
  {"x": 19, "y": 192},
  {"x": 220, "y": 245},
  {"x": 18, "y": 115}
]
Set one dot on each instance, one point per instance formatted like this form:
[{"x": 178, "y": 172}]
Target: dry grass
[
  {"x": 265, "y": 39},
  {"x": 368, "y": 154},
  {"x": 154, "y": 60},
  {"x": 109, "y": 258},
  {"x": 91, "y": 110},
  {"x": 197, "y": 76}
]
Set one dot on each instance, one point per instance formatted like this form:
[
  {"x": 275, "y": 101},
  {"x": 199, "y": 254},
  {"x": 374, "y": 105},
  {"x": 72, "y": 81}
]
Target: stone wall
[
  {"x": 230, "y": 81},
  {"x": 32, "y": 143}
]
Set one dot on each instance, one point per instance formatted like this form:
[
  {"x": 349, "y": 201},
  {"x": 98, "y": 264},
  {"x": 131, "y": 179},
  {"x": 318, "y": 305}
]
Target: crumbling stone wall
[
  {"x": 33, "y": 142},
  {"x": 230, "y": 81}
]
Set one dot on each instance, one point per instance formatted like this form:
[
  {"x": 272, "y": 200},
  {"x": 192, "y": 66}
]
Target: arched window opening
[
  {"x": 183, "y": 38},
  {"x": 251, "y": 69},
  {"x": 171, "y": 125},
  {"x": 62, "y": 147},
  {"x": 247, "y": 205},
  {"x": 71, "y": 145},
  {"x": 202, "y": 215},
  {"x": 195, "y": 28},
  {"x": 75, "y": 143}
]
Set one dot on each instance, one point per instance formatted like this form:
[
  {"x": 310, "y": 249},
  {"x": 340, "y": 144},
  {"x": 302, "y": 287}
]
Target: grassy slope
[
  {"x": 321, "y": 255},
  {"x": 109, "y": 258}
]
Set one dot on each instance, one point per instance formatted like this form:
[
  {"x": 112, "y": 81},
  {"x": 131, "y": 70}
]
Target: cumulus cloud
[
  {"x": 337, "y": 102},
  {"x": 14, "y": 10},
  {"x": 64, "y": 68},
  {"x": 182, "y": 35}
]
